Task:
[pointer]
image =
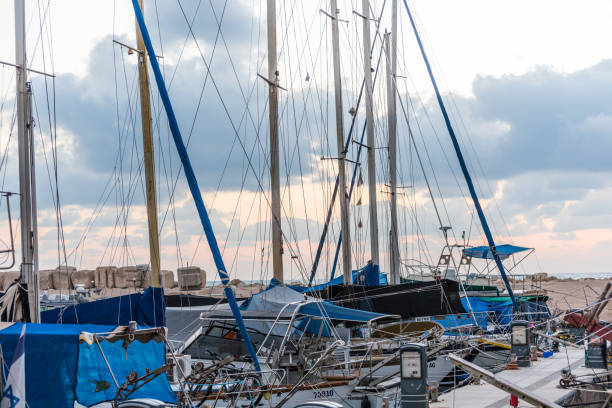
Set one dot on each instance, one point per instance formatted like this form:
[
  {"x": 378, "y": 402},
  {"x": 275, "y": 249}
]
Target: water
[{"x": 584, "y": 275}]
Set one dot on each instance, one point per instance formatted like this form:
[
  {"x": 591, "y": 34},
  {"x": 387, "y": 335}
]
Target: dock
[{"x": 542, "y": 378}]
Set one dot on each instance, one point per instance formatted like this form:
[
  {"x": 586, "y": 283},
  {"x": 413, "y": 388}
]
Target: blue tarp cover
[
  {"x": 484, "y": 252},
  {"x": 148, "y": 309},
  {"x": 92, "y": 369},
  {"x": 532, "y": 308},
  {"x": 369, "y": 275},
  {"x": 53, "y": 358}
]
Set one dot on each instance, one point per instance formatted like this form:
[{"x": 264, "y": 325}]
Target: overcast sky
[{"x": 527, "y": 83}]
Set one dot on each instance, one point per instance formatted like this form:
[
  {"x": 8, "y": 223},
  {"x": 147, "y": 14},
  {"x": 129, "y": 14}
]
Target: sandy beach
[{"x": 576, "y": 294}]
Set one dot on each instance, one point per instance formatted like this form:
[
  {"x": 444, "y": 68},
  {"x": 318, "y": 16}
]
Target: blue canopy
[
  {"x": 484, "y": 252},
  {"x": 59, "y": 369},
  {"x": 148, "y": 309}
]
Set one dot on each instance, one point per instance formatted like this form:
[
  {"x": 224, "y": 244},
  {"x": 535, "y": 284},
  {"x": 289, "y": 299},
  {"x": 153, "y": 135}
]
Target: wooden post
[{"x": 149, "y": 156}]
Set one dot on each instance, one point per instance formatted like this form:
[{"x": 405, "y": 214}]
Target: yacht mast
[
  {"x": 344, "y": 211},
  {"x": 367, "y": 71},
  {"x": 149, "y": 155},
  {"x": 277, "y": 235},
  {"x": 27, "y": 187},
  {"x": 391, "y": 46}
]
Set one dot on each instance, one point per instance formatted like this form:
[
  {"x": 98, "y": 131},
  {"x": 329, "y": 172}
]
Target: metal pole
[
  {"x": 391, "y": 46},
  {"x": 277, "y": 237},
  {"x": 33, "y": 282},
  {"x": 24, "y": 131},
  {"x": 194, "y": 188},
  {"x": 149, "y": 155},
  {"x": 344, "y": 210},
  {"x": 367, "y": 71}
]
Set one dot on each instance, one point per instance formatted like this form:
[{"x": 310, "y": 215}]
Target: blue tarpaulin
[
  {"x": 138, "y": 356},
  {"x": 532, "y": 308},
  {"x": 53, "y": 357},
  {"x": 369, "y": 275},
  {"x": 148, "y": 309},
  {"x": 484, "y": 252}
]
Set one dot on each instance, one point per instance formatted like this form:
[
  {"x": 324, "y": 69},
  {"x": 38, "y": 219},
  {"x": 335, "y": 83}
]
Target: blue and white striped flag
[{"x": 13, "y": 394}]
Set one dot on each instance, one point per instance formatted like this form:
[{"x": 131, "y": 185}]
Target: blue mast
[
  {"x": 193, "y": 186},
  {"x": 466, "y": 174}
]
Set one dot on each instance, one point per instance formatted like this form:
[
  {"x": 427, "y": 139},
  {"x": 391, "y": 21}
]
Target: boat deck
[{"x": 542, "y": 378}]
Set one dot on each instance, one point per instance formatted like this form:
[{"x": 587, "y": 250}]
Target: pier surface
[{"x": 542, "y": 378}]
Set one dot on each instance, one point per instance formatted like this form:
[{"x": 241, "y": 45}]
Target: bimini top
[{"x": 484, "y": 252}]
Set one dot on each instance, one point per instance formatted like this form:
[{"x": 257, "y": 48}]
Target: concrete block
[
  {"x": 189, "y": 278},
  {"x": 110, "y": 276},
  {"x": 60, "y": 279},
  {"x": 128, "y": 277},
  {"x": 100, "y": 276},
  {"x": 44, "y": 279},
  {"x": 167, "y": 279},
  {"x": 84, "y": 277}
]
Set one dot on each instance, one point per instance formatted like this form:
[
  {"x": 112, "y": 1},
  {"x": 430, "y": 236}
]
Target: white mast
[
  {"x": 277, "y": 236},
  {"x": 344, "y": 211},
  {"x": 367, "y": 71},
  {"x": 27, "y": 187},
  {"x": 392, "y": 126}
]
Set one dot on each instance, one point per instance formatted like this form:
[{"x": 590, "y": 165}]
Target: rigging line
[
  {"x": 418, "y": 155},
  {"x": 355, "y": 168},
  {"x": 130, "y": 123},
  {"x": 226, "y": 110},
  {"x": 218, "y": 35},
  {"x": 303, "y": 118},
  {"x": 336, "y": 185},
  {"x": 298, "y": 127},
  {"x": 126, "y": 203},
  {"x": 466, "y": 174},
  {"x": 4, "y": 160},
  {"x": 160, "y": 110},
  {"x": 430, "y": 161},
  {"x": 476, "y": 158},
  {"x": 53, "y": 131}
]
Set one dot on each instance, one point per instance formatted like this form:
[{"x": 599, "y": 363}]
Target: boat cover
[
  {"x": 275, "y": 298},
  {"x": 484, "y": 252},
  {"x": 369, "y": 275},
  {"x": 148, "y": 309},
  {"x": 532, "y": 308},
  {"x": 60, "y": 369}
]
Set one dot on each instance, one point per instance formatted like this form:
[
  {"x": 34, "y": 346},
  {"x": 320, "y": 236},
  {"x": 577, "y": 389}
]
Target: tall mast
[
  {"x": 27, "y": 189},
  {"x": 392, "y": 126},
  {"x": 367, "y": 71},
  {"x": 149, "y": 155},
  {"x": 277, "y": 236},
  {"x": 344, "y": 211}
]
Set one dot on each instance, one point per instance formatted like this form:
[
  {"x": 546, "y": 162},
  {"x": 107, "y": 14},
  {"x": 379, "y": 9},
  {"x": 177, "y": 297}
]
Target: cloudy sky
[{"x": 527, "y": 85}]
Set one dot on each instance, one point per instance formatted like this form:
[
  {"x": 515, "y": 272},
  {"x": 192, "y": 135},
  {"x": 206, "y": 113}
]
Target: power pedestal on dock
[
  {"x": 413, "y": 371},
  {"x": 521, "y": 342},
  {"x": 597, "y": 355}
]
